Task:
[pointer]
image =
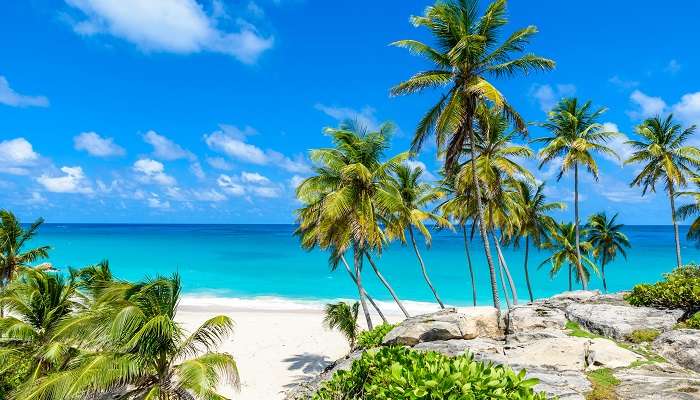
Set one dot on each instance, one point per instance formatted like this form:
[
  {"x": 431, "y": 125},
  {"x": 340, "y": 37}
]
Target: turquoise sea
[{"x": 265, "y": 260}]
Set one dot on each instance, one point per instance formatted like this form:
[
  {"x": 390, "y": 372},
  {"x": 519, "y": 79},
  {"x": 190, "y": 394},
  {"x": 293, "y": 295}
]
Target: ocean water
[{"x": 265, "y": 260}]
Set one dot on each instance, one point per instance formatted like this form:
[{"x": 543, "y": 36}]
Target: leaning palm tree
[
  {"x": 607, "y": 239},
  {"x": 13, "y": 240},
  {"x": 665, "y": 155},
  {"x": 575, "y": 136},
  {"x": 562, "y": 242},
  {"x": 467, "y": 54},
  {"x": 141, "y": 352},
  {"x": 350, "y": 197},
  {"x": 415, "y": 196},
  {"x": 533, "y": 221},
  {"x": 343, "y": 317},
  {"x": 38, "y": 302}
]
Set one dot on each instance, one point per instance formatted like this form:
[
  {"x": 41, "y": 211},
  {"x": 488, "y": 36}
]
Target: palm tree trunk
[
  {"x": 504, "y": 265},
  {"x": 602, "y": 268},
  {"x": 480, "y": 212},
  {"x": 371, "y": 301},
  {"x": 578, "y": 235},
  {"x": 672, "y": 195},
  {"x": 503, "y": 284},
  {"x": 388, "y": 287},
  {"x": 571, "y": 287},
  {"x": 469, "y": 261},
  {"x": 357, "y": 256},
  {"x": 422, "y": 267},
  {"x": 527, "y": 273}
]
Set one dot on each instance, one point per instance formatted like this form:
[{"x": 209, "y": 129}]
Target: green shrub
[
  {"x": 680, "y": 289},
  {"x": 643, "y": 335},
  {"x": 373, "y": 337},
  {"x": 401, "y": 373},
  {"x": 691, "y": 323},
  {"x": 12, "y": 374}
]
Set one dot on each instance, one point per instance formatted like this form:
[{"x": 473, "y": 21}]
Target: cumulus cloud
[
  {"x": 73, "y": 180},
  {"x": 196, "y": 169},
  {"x": 11, "y": 98},
  {"x": 548, "y": 96},
  {"x": 365, "y": 117},
  {"x": 248, "y": 184},
  {"x": 210, "y": 195},
  {"x": 230, "y": 186},
  {"x": 166, "y": 149},
  {"x": 15, "y": 155},
  {"x": 152, "y": 171},
  {"x": 219, "y": 163},
  {"x": 688, "y": 109},
  {"x": 96, "y": 145},
  {"x": 155, "y": 202},
  {"x": 254, "y": 177},
  {"x": 420, "y": 164},
  {"x": 623, "y": 83},
  {"x": 232, "y": 141},
  {"x": 175, "y": 26},
  {"x": 647, "y": 106},
  {"x": 618, "y": 144},
  {"x": 295, "y": 181}
]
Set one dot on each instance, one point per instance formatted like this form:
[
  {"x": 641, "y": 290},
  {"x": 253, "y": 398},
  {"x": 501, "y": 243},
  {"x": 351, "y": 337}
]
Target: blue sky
[{"x": 204, "y": 110}]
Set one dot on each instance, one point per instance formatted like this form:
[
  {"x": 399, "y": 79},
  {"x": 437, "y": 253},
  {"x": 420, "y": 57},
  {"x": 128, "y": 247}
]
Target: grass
[
  {"x": 643, "y": 335},
  {"x": 577, "y": 331},
  {"x": 604, "y": 383}
]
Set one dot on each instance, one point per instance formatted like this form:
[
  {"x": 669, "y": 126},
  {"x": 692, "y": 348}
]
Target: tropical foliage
[
  {"x": 373, "y": 338},
  {"x": 565, "y": 253},
  {"x": 14, "y": 256},
  {"x": 680, "y": 289},
  {"x": 607, "y": 240},
  {"x": 343, "y": 317}
]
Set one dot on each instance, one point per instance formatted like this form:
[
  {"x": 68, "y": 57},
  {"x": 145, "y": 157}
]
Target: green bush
[
  {"x": 373, "y": 337},
  {"x": 643, "y": 335},
  {"x": 680, "y": 289},
  {"x": 12, "y": 374},
  {"x": 691, "y": 323},
  {"x": 401, "y": 373}
]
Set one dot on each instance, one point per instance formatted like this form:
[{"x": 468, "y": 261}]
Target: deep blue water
[{"x": 266, "y": 260}]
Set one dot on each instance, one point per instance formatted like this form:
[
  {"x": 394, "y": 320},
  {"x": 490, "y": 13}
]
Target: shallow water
[{"x": 266, "y": 260}]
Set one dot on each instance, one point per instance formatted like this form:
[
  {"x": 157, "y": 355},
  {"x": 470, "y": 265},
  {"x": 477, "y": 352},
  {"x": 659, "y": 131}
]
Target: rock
[
  {"x": 604, "y": 353},
  {"x": 562, "y": 300},
  {"x": 680, "y": 346},
  {"x": 485, "y": 319},
  {"x": 443, "y": 325},
  {"x": 563, "y": 385},
  {"x": 615, "y": 299},
  {"x": 483, "y": 349},
  {"x": 307, "y": 387},
  {"x": 657, "y": 382},
  {"x": 532, "y": 317},
  {"x": 619, "y": 322}
]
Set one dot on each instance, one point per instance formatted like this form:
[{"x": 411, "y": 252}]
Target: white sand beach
[{"x": 277, "y": 342}]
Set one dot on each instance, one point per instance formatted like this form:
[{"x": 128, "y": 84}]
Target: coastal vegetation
[{"x": 680, "y": 289}]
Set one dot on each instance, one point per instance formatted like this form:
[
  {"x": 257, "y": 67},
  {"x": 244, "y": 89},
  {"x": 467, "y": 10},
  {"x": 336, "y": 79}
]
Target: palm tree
[
  {"x": 563, "y": 244},
  {"x": 349, "y": 196},
  {"x": 575, "y": 135},
  {"x": 665, "y": 157},
  {"x": 37, "y": 302},
  {"x": 13, "y": 239},
  {"x": 343, "y": 317},
  {"x": 468, "y": 53},
  {"x": 415, "y": 196},
  {"x": 141, "y": 352},
  {"x": 532, "y": 220},
  {"x": 607, "y": 239}
]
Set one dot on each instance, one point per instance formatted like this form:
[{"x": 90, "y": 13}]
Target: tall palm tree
[
  {"x": 13, "y": 240},
  {"x": 607, "y": 239},
  {"x": 38, "y": 302},
  {"x": 533, "y": 221},
  {"x": 415, "y": 196},
  {"x": 575, "y": 136},
  {"x": 343, "y": 317},
  {"x": 467, "y": 54},
  {"x": 562, "y": 242},
  {"x": 665, "y": 155},
  {"x": 141, "y": 352},
  {"x": 350, "y": 197}
]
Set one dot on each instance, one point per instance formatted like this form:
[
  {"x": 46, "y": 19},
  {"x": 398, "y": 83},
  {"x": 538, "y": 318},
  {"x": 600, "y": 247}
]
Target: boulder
[
  {"x": 307, "y": 387},
  {"x": 562, "y": 385},
  {"x": 681, "y": 347},
  {"x": 619, "y": 322},
  {"x": 443, "y": 325},
  {"x": 657, "y": 382},
  {"x": 483, "y": 349},
  {"x": 604, "y": 353},
  {"x": 534, "y": 317},
  {"x": 562, "y": 300}
]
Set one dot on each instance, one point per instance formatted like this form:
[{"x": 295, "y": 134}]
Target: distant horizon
[{"x": 244, "y": 223}]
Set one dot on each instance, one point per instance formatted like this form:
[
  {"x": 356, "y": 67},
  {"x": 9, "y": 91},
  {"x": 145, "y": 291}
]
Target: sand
[{"x": 276, "y": 342}]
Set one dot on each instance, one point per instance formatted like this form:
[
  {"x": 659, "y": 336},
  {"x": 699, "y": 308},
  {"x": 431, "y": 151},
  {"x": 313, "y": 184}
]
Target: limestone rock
[
  {"x": 533, "y": 317},
  {"x": 443, "y": 325},
  {"x": 657, "y": 382},
  {"x": 620, "y": 321},
  {"x": 307, "y": 387},
  {"x": 680, "y": 346},
  {"x": 483, "y": 349},
  {"x": 604, "y": 353},
  {"x": 563, "y": 300}
]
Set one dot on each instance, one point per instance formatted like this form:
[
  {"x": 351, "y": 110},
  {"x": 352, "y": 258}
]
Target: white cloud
[
  {"x": 254, "y": 177},
  {"x": 153, "y": 171},
  {"x": 268, "y": 192},
  {"x": 231, "y": 141},
  {"x": 208, "y": 195},
  {"x": 365, "y": 117},
  {"x": 617, "y": 143},
  {"x": 176, "y": 26},
  {"x": 648, "y": 106},
  {"x": 11, "y": 98},
  {"x": 228, "y": 185},
  {"x": 157, "y": 203},
  {"x": 197, "y": 170},
  {"x": 420, "y": 164},
  {"x": 73, "y": 181},
  {"x": 219, "y": 163},
  {"x": 247, "y": 183},
  {"x": 623, "y": 83},
  {"x": 15, "y": 155},
  {"x": 166, "y": 149},
  {"x": 688, "y": 109},
  {"x": 36, "y": 198},
  {"x": 673, "y": 67},
  {"x": 96, "y": 145},
  {"x": 548, "y": 96},
  {"x": 618, "y": 191},
  {"x": 295, "y": 181}
]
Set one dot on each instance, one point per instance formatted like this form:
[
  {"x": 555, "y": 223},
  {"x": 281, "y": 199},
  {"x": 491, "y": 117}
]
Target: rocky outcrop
[
  {"x": 535, "y": 317},
  {"x": 661, "y": 381},
  {"x": 681, "y": 346},
  {"x": 443, "y": 325},
  {"x": 306, "y": 388}
]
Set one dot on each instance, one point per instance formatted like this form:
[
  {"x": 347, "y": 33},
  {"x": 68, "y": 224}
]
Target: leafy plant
[
  {"x": 343, "y": 317},
  {"x": 373, "y": 338},
  {"x": 691, "y": 323},
  {"x": 680, "y": 289},
  {"x": 401, "y": 373}
]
